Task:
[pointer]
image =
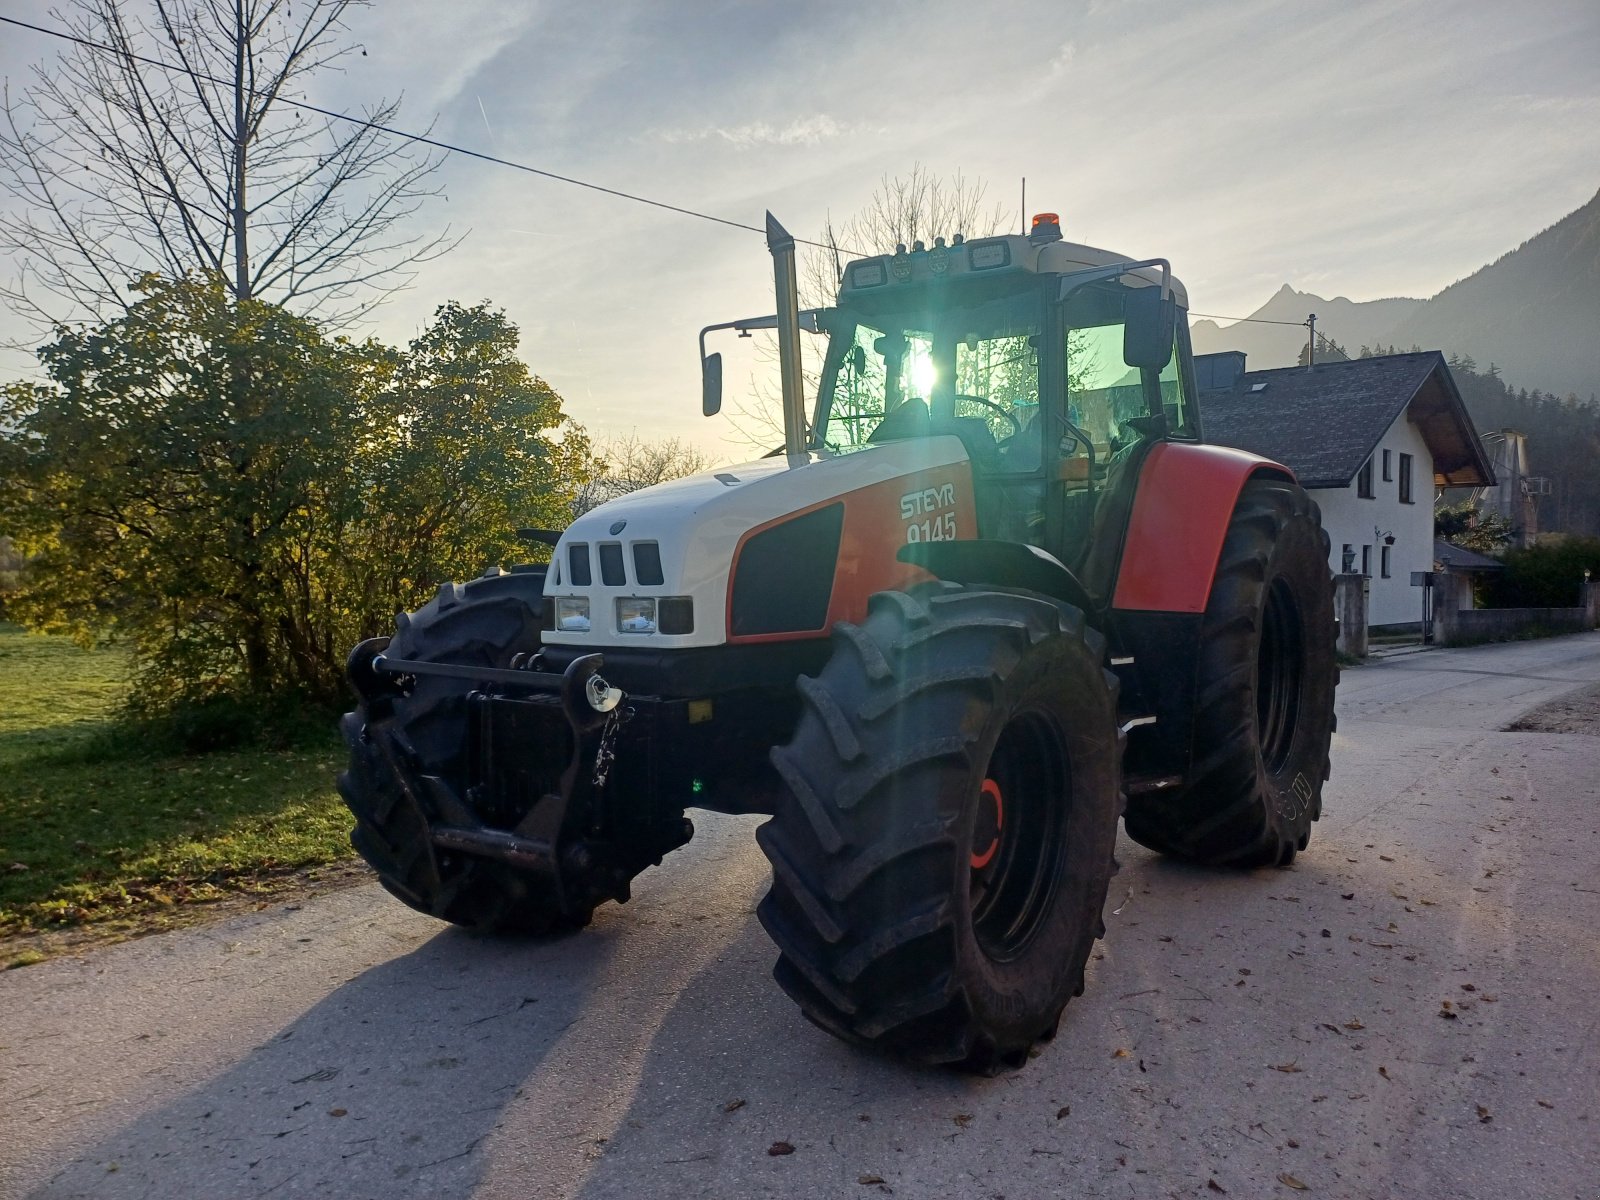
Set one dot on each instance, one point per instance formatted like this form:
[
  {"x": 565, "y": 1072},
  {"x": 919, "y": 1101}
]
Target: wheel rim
[
  {"x": 1018, "y": 833},
  {"x": 1280, "y": 664}
]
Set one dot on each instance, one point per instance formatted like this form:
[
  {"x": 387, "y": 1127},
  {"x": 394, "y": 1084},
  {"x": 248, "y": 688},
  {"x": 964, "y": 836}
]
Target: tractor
[{"x": 992, "y": 595}]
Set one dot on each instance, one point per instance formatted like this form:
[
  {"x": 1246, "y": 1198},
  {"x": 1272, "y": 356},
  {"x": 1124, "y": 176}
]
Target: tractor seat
[{"x": 909, "y": 420}]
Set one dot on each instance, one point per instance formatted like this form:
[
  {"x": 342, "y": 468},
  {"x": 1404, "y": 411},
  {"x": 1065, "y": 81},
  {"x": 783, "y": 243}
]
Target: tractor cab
[{"x": 1056, "y": 365}]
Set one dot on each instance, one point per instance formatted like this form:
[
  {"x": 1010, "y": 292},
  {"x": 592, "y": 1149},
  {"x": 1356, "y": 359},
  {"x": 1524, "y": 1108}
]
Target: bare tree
[
  {"x": 903, "y": 210},
  {"x": 630, "y": 462},
  {"x": 117, "y": 166}
]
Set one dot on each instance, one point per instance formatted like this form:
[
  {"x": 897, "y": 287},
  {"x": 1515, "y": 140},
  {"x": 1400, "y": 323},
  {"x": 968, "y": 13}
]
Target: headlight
[
  {"x": 572, "y": 614},
  {"x": 636, "y": 614}
]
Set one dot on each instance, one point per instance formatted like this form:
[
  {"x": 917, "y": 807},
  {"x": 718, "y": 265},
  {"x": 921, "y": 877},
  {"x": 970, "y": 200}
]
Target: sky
[{"x": 1356, "y": 149}]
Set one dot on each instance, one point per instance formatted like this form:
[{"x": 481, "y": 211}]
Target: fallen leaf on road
[
  {"x": 1483, "y": 1115},
  {"x": 1544, "y": 1104},
  {"x": 1291, "y": 1143},
  {"x": 733, "y": 1106},
  {"x": 1384, "y": 1071},
  {"x": 1213, "y": 1185},
  {"x": 1347, "y": 895},
  {"x": 337, "y": 1112},
  {"x": 1119, "y": 1053},
  {"x": 1066, "y": 1110},
  {"x": 1384, "y": 858},
  {"x": 1469, "y": 987},
  {"x": 1290, "y": 1181},
  {"x": 1354, "y": 1023},
  {"x": 1288, "y": 1068},
  {"x": 869, "y": 1179},
  {"x": 962, "y": 1119},
  {"x": 778, "y": 1149}
]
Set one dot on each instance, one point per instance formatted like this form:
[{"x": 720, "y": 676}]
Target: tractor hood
[{"x": 773, "y": 549}]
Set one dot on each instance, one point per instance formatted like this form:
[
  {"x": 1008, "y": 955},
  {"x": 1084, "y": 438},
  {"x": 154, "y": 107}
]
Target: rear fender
[{"x": 1180, "y": 516}]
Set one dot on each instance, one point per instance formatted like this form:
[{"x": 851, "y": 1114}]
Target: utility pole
[{"x": 1311, "y": 342}]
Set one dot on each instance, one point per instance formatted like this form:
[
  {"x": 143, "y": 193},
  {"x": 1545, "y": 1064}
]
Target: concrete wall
[
  {"x": 1456, "y": 622},
  {"x": 1357, "y": 522}
]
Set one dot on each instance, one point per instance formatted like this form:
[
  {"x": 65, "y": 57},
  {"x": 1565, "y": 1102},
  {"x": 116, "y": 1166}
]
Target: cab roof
[{"x": 1002, "y": 255}]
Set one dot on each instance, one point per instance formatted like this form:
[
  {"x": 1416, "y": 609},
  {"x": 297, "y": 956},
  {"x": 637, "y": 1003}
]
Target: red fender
[{"x": 1180, "y": 516}]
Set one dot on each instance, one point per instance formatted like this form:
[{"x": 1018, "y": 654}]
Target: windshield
[
  {"x": 964, "y": 360},
  {"x": 977, "y": 360}
]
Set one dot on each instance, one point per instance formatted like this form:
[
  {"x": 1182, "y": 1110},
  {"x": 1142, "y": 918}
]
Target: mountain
[
  {"x": 1534, "y": 313},
  {"x": 1350, "y": 323}
]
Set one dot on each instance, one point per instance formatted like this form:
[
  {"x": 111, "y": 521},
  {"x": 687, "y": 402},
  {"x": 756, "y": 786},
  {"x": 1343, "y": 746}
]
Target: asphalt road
[{"x": 1410, "y": 1011}]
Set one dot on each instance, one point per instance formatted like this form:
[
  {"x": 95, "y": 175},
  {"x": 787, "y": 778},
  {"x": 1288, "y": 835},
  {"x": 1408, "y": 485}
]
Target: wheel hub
[{"x": 991, "y": 820}]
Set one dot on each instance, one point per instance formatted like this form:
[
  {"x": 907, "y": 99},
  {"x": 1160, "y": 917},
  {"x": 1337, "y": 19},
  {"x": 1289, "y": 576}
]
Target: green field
[{"x": 99, "y": 827}]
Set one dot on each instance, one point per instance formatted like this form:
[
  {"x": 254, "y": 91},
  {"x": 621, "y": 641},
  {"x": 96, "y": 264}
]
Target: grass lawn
[{"x": 97, "y": 830}]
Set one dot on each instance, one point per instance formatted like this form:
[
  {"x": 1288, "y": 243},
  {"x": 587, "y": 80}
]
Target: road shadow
[
  {"x": 734, "y": 1075},
  {"x": 384, "y": 1088}
]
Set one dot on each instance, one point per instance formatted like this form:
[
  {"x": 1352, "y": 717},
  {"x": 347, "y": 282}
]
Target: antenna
[{"x": 1024, "y": 204}]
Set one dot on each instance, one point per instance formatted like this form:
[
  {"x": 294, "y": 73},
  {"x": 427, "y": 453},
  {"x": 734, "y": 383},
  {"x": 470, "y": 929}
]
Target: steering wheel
[{"x": 999, "y": 410}]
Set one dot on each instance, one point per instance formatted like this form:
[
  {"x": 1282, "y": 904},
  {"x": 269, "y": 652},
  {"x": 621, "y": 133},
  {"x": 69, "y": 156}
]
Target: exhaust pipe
[{"x": 785, "y": 282}]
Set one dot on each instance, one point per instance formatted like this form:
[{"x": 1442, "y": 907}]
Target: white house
[{"x": 1370, "y": 439}]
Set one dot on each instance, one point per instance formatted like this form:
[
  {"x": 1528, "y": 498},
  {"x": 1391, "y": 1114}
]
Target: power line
[
  {"x": 449, "y": 147},
  {"x": 1251, "y": 320}
]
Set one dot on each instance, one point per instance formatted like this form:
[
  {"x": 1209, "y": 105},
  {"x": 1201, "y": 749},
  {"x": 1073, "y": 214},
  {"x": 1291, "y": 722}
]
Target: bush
[
  {"x": 1549, "y": 575},
  {"x": 240, "y": 499}
]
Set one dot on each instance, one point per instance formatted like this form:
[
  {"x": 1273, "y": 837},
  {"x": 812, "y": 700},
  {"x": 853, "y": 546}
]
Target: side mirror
[
  {"x": 1150, "y": 322},
  {"x": 711, "y": 384}
]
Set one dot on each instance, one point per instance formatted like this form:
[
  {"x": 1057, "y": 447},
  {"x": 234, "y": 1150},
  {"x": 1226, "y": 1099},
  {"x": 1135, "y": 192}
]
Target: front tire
[
  {"x": 1263, "y": 718},
  {"x": 408, "y": 761},
  {"x": 942, "y": 857}
]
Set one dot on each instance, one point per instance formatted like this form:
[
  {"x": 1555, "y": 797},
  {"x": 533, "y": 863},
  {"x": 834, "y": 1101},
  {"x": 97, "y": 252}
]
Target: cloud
[{"x": 802, "y": 131}]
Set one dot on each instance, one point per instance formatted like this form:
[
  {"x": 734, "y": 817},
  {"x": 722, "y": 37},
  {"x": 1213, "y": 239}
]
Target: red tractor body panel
[{"x": 1180, "y": 516}]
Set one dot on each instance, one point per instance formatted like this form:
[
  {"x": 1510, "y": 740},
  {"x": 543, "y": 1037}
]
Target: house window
[
  {"x": 1366, "y": 560},
  {"x": 1387, "y": 473},
  {"x": 1405, "y": 479},
  {"x": 1383, "y": 560},
  {"x": 1364, "y": 481}
]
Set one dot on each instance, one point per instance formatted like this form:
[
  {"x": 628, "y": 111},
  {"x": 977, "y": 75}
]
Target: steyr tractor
[{"x": 993, "y": 590}]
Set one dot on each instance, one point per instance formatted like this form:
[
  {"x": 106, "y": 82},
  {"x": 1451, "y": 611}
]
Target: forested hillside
[
  {"x": 1563, "y": 439},
  {"x": 1534, "y": 311}
]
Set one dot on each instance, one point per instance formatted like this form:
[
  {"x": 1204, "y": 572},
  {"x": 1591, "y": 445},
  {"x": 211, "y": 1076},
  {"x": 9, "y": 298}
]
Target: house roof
[
  {"x": 1323, "y": 423},
  {"x": 1459, "y": 558}
]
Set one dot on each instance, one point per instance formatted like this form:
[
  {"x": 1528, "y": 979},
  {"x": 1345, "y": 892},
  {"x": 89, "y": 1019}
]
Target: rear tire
[
  {"x": 942, "y": 856},
  {"x": 1263, "y": 715},
  {"x": 408, "y": 760}
]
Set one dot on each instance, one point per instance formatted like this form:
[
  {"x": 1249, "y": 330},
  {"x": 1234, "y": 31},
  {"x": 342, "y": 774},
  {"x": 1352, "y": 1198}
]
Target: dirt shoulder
[
  {"x": 1577, "y": 712},
  {"x": 289, "y": 887}
]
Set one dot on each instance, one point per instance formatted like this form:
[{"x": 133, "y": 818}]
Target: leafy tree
[
  {"x": 1465, "y": 526},
  {"x": 242, "y": 499},
  {"x": 119, "y": 167}
]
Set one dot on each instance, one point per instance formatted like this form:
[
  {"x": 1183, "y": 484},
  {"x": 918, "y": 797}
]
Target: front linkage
[{"x": 550, "y": 758}]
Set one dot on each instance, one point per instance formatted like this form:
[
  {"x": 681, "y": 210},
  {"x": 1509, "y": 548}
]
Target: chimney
[{"x": 1218, "y": 372}]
